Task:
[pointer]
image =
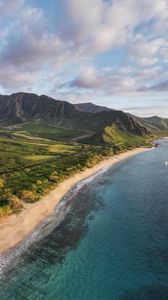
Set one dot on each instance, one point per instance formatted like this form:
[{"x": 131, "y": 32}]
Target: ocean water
[{"x": 112, "y": 244}]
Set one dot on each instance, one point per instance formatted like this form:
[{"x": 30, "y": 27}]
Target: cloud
[
  {"x": 9, "y": 7},
  {"x": 146, "y": 111},
  {"x": 33, "y": 49},
  {"x": 11, "y": 79},
  {"x": 151, "y": 73},
  {"x": 98, "y": 25},
  {"x": 32, "y": 52},
  {"x": 101, "y": 25},
  {"x": 27, "y": 47},
  {"x": 159, "y": 87},
  {"x": 102, "y": 80},
  {"x": 30, "y": 44},
  {"x": 147, "y": 51}
]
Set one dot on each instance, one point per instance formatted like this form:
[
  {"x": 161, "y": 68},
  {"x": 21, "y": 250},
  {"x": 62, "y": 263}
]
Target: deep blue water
[{"x": 113, "y": 243}]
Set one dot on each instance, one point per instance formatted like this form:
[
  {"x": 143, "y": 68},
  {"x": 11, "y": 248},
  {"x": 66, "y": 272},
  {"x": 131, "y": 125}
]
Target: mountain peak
[{"x": 91, "y": 107}]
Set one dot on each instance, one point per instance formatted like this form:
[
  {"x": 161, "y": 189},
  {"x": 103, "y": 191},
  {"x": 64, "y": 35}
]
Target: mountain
[
  {"x": 154, "y": 124},
  {"x": 92, "y": 108},
  {"x": 24, "y": 107}
]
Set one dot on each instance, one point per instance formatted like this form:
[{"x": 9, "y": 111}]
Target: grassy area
[
  {"x": 63, "y": 148},
  {"x": 49, "y": 132},
  {"x": 122, "y": 140},
  {"x": 38, "y": 157}
]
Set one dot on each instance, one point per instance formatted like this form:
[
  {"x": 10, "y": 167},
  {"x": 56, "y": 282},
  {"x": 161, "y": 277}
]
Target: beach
[{"x": 15, "y": 228}]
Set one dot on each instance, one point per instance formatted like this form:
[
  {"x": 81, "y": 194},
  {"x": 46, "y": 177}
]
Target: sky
[{"x": 109, "y": 52}]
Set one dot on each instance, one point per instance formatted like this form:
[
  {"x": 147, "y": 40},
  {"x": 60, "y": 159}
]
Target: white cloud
[
  {"x": 101, "y": 25},
  {"x": 30, "y": 49},
  {"x": 11, "y": 79},
  {"x": 102, "y": 80},
  {"x": 159, "y": 87},
  {"x": 145, "y": 51}
]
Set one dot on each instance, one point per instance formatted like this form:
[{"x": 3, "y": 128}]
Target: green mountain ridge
[
  {"x": 153, "y": 124},
  {"x": 21, "y": 108}
]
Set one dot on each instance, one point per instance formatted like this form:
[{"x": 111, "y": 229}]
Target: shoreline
[{"x": 15, "y": 228}]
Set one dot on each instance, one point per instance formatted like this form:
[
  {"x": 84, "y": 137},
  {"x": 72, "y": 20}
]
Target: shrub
[
  {"x": 28, "y": 196},
  {"x": 2, "y": 182},
  {"x": 8, "y": 199},
  {"x": 54, "y": 177},
  {"x": 14, "y": 202},
  {"x": 39, "y": 182}
]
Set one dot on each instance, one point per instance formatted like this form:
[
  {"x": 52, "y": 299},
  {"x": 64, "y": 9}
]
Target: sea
[{"x": 111, "y": 242}]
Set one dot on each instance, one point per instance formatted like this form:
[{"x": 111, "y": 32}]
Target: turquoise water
[{"x": 113, "y": 243}]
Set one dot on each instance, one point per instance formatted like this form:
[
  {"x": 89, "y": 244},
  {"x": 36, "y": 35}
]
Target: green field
[{"x": 49, "y": 132}]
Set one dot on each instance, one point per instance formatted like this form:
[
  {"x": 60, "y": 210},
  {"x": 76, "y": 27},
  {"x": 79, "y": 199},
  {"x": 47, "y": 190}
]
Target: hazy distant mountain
[
  {"x": 90, "y": 107},
  {"x": 25, "y": 107},
  {"x": 153, "y": 124}
]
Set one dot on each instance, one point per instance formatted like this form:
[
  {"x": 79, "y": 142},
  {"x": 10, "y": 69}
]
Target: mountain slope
[
  {"x": 23, "y": 107},
  {"x": 154, "y": 124}
]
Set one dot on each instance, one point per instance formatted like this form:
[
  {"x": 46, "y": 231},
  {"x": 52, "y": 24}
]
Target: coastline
[{"x": 15, "y": 228}]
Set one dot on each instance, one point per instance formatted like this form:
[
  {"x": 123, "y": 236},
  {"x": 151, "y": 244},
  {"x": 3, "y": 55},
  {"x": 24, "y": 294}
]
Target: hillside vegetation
[
  {"x": 21, "y": 108},
  {"x": 118, "y": 139},
  {"x": 31, "y": 168},
  {"x": 44, "y": 141}
]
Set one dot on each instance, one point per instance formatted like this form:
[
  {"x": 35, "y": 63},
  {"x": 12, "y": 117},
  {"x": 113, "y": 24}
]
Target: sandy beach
[{"x": 15, "y": 228}]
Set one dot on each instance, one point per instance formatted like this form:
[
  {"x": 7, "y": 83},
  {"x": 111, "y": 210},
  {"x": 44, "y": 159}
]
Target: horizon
[{"x": 109, "y": 53}]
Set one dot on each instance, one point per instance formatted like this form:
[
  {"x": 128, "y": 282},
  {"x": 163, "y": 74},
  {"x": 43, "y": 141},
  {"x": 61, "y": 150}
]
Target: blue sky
[{"x": 112, "y": 53}]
